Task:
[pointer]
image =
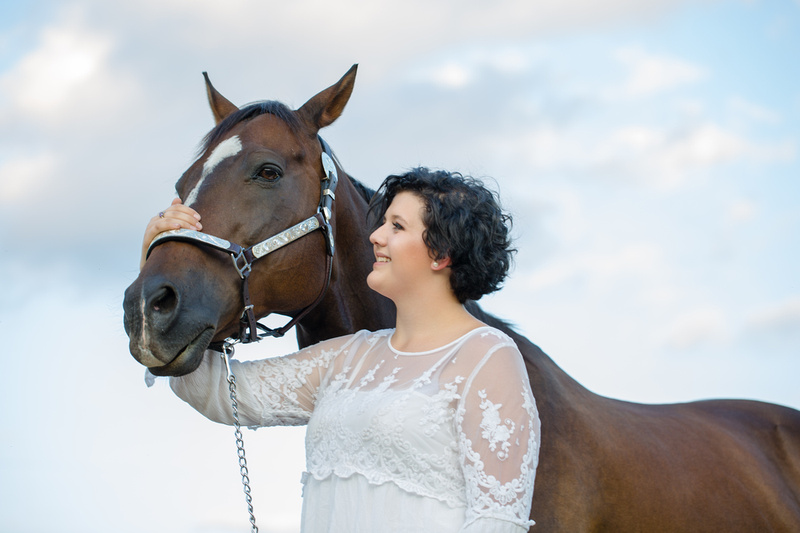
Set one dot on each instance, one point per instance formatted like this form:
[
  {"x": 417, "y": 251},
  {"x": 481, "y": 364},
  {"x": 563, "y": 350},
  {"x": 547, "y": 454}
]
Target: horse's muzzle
[{"x": 166, "y": 334}]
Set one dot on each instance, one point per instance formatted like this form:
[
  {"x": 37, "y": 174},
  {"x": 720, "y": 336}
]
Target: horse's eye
[{"x": 268, "y": 173}]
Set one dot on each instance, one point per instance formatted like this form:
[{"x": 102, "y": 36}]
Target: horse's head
[{"x": 260, "y": 173}]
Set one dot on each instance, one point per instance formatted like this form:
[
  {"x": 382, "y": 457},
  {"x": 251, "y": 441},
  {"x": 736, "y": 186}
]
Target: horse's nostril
[{"x": 164, "y": 300}]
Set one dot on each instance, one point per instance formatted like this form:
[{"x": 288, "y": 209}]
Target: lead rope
[{"x": 227, "y": 353}]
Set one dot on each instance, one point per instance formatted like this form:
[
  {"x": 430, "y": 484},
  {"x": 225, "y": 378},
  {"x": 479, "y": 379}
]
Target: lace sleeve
[
  {"x": 270, "y": 392},
  {"x": 499, "y": 433}
]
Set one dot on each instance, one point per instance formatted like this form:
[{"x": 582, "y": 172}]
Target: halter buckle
[
  {"x": 326, "y": 213},
  {"x": 243, "y": 270}
]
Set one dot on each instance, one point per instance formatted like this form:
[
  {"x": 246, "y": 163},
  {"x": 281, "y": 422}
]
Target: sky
[{"x": 648, "y": 151}]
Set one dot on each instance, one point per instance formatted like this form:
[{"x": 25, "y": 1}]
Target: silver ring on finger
[{"x": 161, "y": 214}]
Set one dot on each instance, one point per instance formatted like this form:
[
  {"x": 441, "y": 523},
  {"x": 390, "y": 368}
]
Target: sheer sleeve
[
  {"x": 269, "y": 392},
  {"x": 499, "y": 434}
]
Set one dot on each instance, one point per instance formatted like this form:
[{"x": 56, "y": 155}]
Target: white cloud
[
  {"x": 600, "y": 270},
  {"x": 382, "y": 34},
  {"x": 780, "y": 316},
  {"x": 66, "y": 76},
  {"x": 698, "y": 326},
  {"x": 741, "y": 211},
  {"x": 452, "y": 75},
  {"x": 541, "y": 147},
  {"x": 430, "y": 20},
  {"x": 66, "y": 59},
  {"x": 650, "y": 74},
  {"x": 460, "y": 71},
  {"x": 690, "y": 107},
  {"x": 753, "y": 111},
  {"x": 634, "y": 138},
  {"x": 22, "y": 176},
  {"x": 671, "y": 158},
  {"x": 666, "y": 158}
]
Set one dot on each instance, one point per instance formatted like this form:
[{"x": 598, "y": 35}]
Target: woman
[{"x": 430, "y": 426}]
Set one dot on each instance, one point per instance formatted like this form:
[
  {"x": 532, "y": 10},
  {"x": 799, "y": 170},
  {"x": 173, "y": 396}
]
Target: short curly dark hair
[{"x": 463, "y": 221}]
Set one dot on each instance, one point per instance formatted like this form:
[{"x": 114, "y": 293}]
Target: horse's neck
[
  {"x": 547, "y": 379},
  {"x": 349, "y": 305}
]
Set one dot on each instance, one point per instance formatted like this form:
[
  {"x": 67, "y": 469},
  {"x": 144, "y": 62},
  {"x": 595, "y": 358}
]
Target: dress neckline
[{"x": 434, "y": 350}]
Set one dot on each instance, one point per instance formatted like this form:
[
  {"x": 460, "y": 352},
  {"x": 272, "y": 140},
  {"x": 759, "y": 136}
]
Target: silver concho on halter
[
  {"x": 259, "y": 250},
  {"x": 211, "y": 240},
  {"x": 285, "y": 237},
  {"x": 330, "y": 171}
]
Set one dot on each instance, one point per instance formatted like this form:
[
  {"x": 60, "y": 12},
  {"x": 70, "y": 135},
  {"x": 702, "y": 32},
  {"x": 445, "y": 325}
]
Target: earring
[{"x": 435, "y": 264}]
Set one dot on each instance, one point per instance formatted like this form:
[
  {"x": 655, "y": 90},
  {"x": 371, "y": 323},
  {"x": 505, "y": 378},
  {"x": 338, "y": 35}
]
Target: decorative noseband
[{"x": 243, "y": 258}]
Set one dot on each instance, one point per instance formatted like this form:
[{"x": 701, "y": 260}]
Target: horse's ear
[
  {"x": 322, "y": 109},
  {"x": 220, "y": 106}
]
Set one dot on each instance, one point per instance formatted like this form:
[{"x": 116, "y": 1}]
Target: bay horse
[{"x": 605, "y": 465}]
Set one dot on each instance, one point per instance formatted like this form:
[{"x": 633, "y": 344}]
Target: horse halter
[{"x": 243, "y": 258}]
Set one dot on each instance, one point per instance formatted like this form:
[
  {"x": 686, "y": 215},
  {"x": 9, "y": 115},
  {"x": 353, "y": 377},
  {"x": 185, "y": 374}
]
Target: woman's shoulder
[
  {"x": 490, "y": 351},
  {"x": 487, "y": 342},
  {"x": 489, "y": 335},
  {"x": 373, "y": 337}
]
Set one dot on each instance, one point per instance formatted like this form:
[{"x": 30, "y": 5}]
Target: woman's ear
[{"x": 440, "y": 264}]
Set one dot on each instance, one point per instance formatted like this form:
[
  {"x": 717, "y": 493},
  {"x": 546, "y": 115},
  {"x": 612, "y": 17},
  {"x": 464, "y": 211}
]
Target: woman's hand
[{"x": 175, "y": 216}]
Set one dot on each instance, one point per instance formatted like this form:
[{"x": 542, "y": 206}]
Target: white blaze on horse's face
[{"x": 227, "y": 148}]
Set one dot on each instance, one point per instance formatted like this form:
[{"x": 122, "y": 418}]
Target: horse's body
[{"x": 605, "y": 465}]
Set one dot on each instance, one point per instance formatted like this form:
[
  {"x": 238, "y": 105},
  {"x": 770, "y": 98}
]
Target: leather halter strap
[{"x": 243, "y": 258}]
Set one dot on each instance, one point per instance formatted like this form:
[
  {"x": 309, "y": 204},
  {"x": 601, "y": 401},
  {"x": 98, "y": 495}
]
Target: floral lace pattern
[
  {"x": 495, "y": 431},
  {"x": 490, "y": 495},
  {"x": 365, "y": 432},
  {"x": 458, "y": 424},
  {"x": 278, "y": 381},
  {"x": 439, "y": 410}
]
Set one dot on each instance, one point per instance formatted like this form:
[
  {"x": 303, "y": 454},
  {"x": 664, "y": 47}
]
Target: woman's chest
[{"x": 414, "y": 418}]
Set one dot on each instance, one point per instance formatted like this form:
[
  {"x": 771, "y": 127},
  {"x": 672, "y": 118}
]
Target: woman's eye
[
  {"x": 397, "y": 226},
  {"x": 268, "y": 174}
]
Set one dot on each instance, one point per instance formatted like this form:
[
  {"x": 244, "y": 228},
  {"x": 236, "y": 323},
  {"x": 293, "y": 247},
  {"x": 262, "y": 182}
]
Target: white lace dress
[{"x": 445, "y": 441}]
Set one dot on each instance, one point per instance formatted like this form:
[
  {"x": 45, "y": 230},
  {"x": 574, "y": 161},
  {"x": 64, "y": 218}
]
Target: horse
[{"x": 605, "y": 465}]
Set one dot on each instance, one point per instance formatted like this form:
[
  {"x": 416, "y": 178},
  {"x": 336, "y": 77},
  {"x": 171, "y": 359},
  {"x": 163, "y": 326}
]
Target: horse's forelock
[{"x": 247, "y": 112}]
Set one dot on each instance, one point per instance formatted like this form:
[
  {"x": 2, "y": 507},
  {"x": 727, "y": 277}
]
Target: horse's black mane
[
  {"x": 247, "y": 112},
  {"x": 362, "y": 189}
]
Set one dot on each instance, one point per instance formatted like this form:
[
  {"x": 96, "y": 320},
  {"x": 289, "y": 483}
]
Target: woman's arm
[
  {"x": 270, "y": 392},
  {"x": 499, "y": 443},
  {"x": 175, "y": 216}
]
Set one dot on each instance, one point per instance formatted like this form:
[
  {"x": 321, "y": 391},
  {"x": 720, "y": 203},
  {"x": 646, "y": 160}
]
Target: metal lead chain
[{"x": 227, "y": 353}]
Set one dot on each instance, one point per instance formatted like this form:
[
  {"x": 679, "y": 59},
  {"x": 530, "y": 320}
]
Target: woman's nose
[{"x": 375, "y": 236}]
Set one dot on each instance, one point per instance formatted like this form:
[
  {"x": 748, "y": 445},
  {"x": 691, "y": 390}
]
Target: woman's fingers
[
  {"x": 176, "y": 216},
  {"x": 178, "y": 207},
  {"x": 173, "y": 220}
]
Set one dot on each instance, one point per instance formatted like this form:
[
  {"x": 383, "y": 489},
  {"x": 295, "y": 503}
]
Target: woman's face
[{"x": 401, "y": 256}]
